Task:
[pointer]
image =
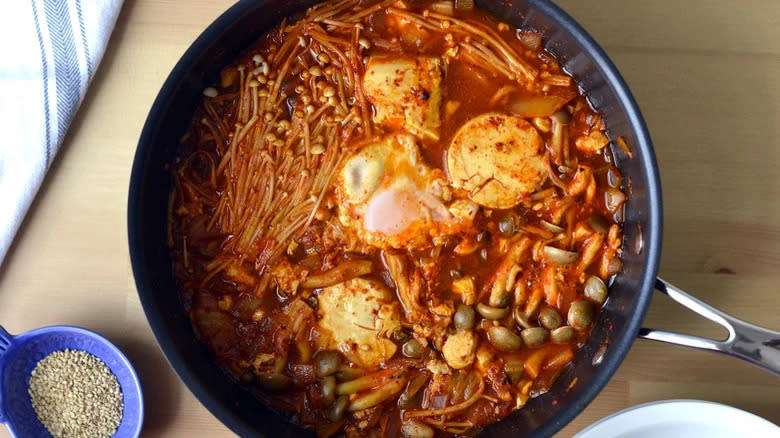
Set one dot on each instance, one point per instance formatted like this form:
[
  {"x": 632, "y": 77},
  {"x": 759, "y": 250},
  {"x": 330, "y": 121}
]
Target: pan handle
[{"x": 753, "y": 344}]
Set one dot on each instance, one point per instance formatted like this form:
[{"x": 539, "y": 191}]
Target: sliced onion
[
  {"x": 613, "y": 178},
  {"x": 543, "y": 194},
  {"x": 444, "y": 7},
  {"x": 377, "y": 395},
  {"x": 531, "y": 40},
  {"x": 464, "y": 5},
  {"x": 565, "y": 169},
  {"x": 613, "y": 199},
  {"x": 614, "y": 266},
  {"x": 551, "y": 227},
  {"x": 621, "y": 142},
  {"x": 597, "y": 223},
  {"x": 416, "y": 383},
  {"x": 537, "y": 106},
  {"x": 559, "y": 256},
  {"x": 618, "y": 216}
]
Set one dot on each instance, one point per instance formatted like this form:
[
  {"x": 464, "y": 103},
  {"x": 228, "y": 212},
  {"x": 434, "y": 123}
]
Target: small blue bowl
[{"x": 20, "y": 354}]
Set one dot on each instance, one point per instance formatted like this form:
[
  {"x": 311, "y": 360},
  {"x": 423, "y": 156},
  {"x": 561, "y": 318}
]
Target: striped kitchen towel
[{"x": 50, "y": 50}]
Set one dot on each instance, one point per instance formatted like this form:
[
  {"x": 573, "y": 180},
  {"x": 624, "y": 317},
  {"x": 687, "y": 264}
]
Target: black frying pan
[{"x": 630, "y": 294}]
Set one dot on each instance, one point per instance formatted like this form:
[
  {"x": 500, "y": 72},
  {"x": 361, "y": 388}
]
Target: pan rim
[{"x": 652, "y": 229}]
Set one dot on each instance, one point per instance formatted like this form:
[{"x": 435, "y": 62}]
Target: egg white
[{"x": 389, "y": 197}]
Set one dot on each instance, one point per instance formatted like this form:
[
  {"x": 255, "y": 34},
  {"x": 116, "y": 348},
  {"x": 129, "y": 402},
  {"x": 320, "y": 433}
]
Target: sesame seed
[
  {"x": 74, "y": 394},
  {"x": 210, "y": 92},
  {"x": 323, "y": 58},
  {"x": 317, "y": 149}
]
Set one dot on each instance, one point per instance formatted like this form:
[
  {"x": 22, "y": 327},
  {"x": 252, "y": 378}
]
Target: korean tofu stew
[{"x": 395, "y": 218}]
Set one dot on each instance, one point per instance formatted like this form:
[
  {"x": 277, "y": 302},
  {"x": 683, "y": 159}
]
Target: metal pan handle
[{"x": 753, "y": 344}]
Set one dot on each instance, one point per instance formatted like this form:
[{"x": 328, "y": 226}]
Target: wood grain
[{"x": 706, "y": 74}]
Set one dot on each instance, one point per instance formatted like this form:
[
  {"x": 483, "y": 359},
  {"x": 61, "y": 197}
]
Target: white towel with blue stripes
[{"x": 49, "y": 51}]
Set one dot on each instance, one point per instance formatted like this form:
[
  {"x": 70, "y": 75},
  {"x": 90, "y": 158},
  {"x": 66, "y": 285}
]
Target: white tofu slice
[
  {"x": 406, "y": 93},
  {"x": 355, "y": 317},
  {"x": 497, "y": 159}
]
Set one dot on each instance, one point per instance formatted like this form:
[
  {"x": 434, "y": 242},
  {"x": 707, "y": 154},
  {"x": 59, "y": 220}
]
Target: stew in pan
[{"x": 395, "y": 218}]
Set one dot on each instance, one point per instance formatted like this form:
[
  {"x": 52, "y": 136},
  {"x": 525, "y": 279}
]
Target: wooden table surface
[{"x": 706, "y": 74}]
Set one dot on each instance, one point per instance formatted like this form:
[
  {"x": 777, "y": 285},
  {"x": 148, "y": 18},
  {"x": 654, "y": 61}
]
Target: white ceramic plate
[{"x": 681, "y": 419}]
